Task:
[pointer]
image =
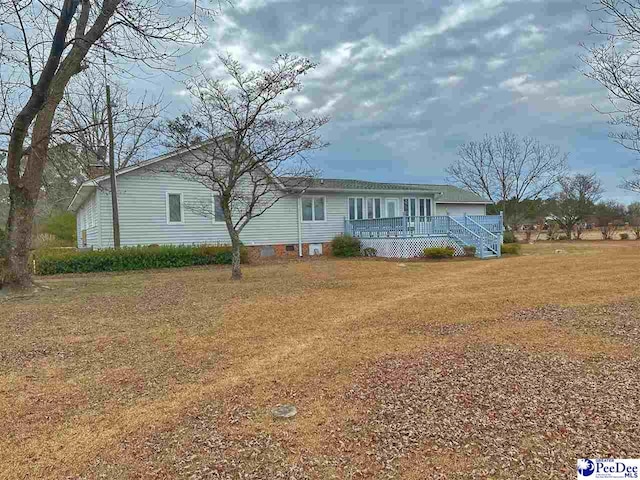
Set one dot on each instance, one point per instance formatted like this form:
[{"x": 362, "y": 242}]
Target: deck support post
[{"x": 404, "y": 226}]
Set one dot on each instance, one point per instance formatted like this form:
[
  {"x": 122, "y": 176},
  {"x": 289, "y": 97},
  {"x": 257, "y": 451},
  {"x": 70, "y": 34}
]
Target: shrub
[
  {"x": 608, "y": 231},
  {"x": 345, "y": 246},
  {"x": 624, "y": 236},
  {"x": 62, "y": 226},
  {"x": 509, "y": 237},
  {"x": 46, "y": 240},
  {"x": 438, "y": 252},
  {"x": 469, "y": 251},
  {"x": 510, "y": 249},
  {"x": 561, "y": 237},
  {"x": 55, "y": 261},
  {"x": 553, "y": 231},
  {"x": 369, "y": 252}
]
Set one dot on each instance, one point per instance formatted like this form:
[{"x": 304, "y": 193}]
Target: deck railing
[{"x": 482, "y": 231}]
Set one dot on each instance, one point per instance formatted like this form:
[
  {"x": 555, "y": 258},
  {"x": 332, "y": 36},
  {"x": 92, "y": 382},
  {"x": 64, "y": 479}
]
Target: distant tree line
[
  {"x": 530, "y": 183},
  {"x": 570, "y": 211}
]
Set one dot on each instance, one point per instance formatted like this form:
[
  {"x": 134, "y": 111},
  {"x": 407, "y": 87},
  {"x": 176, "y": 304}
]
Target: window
[
  {"x": 175, "y": 212},
  {"x": 356, "y": 208},
  {"x": 313, "y": 209},
  {"x": 409, "y": 207},
  {"x": 425, "y": 207},
  {"x": 374, "y": 208},
  {"x": 218, "y": 212}
]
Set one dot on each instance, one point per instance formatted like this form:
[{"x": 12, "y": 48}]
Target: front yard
[{"x": 503, "y": 368}]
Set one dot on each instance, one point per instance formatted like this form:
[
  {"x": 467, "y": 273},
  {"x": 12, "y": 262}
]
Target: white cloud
[
  {"x": 301, "y": 101},
  {"x": 522, "y": 85},
  {"x": 332, "y": 60},
  {"x": 514, "y": 82},
  {"x": 453, "y": 16},
  {"x": 533, "y": 37},
  {"x": 233, "y": 40},
  {"x": 500, "y": 32},
  {"x": 248, "y": 5},
  {"x": 509, "y": 28},
  {"x": 495, "y": 63},
  {"x": 476, "y": 98},
  {"x": 466, "y": 63},
  {"x": 328, "y": 107},
  {"x": 448, "y": 81}
]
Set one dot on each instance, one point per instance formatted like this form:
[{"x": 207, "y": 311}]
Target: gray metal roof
[{"x": 444, "y": 193}]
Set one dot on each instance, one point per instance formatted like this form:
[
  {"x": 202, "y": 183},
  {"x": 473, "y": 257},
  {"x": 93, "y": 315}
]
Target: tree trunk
[
  {"x": 23, "y": 196},
  {"x": 24, "y": 188},
  {"x": 19, "y": 227},
  {"x": 236, "y": 272}
]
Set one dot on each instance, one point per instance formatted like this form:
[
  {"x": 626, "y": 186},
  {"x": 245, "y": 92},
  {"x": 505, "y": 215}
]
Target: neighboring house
[{"x": 153, "y": 209}]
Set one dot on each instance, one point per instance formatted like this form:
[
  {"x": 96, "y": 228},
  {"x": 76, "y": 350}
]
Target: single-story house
[{"x": 152, "y": 211}]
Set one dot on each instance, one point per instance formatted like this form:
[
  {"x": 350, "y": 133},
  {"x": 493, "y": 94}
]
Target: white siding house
[{"x": 153, "y": 208}]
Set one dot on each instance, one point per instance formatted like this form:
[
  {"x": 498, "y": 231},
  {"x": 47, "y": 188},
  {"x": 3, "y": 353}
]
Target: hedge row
[
  {"x": 439, "y": 252},
  {"x": 51, "y": 262}
]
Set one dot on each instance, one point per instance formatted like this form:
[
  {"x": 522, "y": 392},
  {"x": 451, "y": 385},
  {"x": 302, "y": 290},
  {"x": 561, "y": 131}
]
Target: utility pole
[{"x": 112, "y": 163}]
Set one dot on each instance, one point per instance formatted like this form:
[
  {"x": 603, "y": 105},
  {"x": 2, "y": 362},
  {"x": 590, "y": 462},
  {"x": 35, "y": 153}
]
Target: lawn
[{"x": 501, "y": 368}]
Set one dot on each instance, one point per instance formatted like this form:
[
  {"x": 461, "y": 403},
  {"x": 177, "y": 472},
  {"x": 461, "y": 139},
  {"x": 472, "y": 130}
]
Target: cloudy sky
[{"x": 405, "y": 82}]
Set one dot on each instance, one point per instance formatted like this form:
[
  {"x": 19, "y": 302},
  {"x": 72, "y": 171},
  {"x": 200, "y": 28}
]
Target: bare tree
[
  {"x": 633, "y": 210},
  {"x": 576, "y": 200},
  {"x": 507, "y": 168},
  {"x": 81, "y": 120},
  {"x": 613, "y": 63},
  {"x": 246, "y": 143},
  {"x": 96, "y": 115},
  {"x": 44, "y": 44}
]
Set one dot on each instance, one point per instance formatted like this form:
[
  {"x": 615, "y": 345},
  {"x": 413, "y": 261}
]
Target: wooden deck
[{"x": 410, "y": 235}]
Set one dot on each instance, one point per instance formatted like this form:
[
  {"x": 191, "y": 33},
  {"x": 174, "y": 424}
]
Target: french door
[
  {"x": 392, "y": 206},
  {"x": 409, "y": 207},
  {"x": 424, "y": 207}
]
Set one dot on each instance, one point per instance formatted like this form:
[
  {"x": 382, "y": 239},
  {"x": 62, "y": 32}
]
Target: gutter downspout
[{"x": 300, "y": 225}]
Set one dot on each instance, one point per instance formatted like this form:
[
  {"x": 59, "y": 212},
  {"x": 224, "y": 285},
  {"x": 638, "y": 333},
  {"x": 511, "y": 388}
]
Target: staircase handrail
[
  {"x": 482, "y": 227},
  {"x": 464, "y": 228}
]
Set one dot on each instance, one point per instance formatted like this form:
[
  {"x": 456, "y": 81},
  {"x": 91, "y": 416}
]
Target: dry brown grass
[{"x": 173, "y": 373}]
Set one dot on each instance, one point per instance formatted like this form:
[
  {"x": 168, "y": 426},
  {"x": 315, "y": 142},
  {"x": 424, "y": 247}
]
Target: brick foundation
[{"x": 263, "y": 253}]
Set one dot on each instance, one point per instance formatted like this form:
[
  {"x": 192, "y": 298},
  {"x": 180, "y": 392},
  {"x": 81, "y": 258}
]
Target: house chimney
[
  {"x": 101, "y": 155},
  {"x": 98, "y": 167}
]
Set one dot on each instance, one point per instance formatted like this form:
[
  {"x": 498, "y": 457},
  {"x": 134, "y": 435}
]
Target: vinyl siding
[
  {"x": 457, "y": 209},
  {"x": 88, "y": 218},
  {"x": 143, "y": 215}
]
